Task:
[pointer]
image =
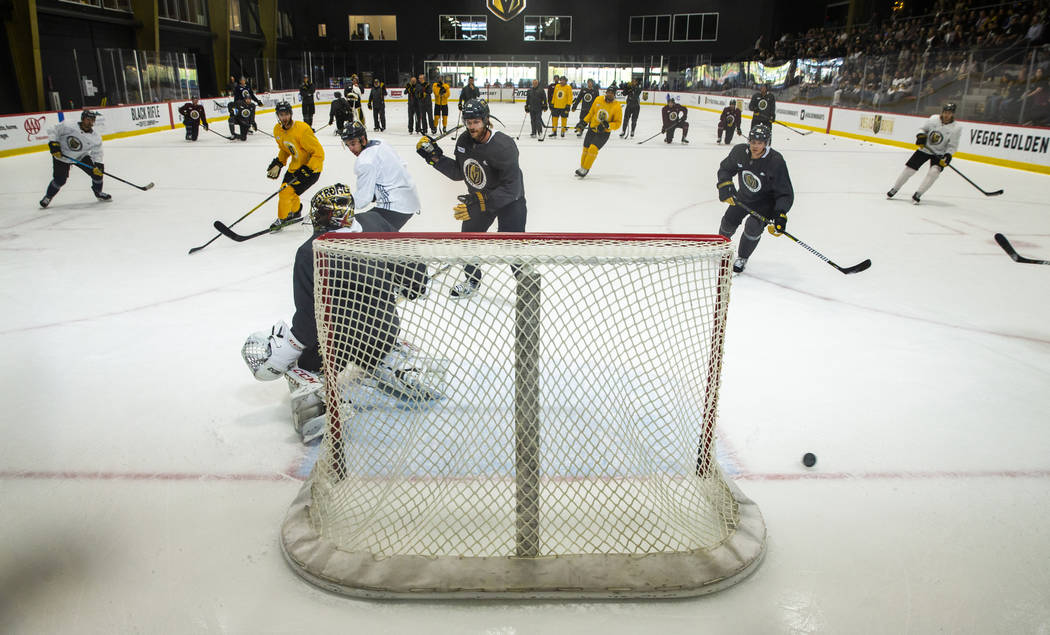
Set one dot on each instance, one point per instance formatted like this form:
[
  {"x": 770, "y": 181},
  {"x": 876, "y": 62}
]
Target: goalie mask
[{"x": 332, "y": 208}]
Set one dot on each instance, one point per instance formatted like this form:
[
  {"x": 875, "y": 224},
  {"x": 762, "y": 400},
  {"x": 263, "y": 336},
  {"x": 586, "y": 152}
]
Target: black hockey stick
[
  {"x": 985, "y": 192},
  {"x": 196, "y": 249},
  {"x": 232, "y": 235},
  {"x": 799, "y": 132},
  {"x": 91, "y": 167},
  {"x": 322, "y": 128},
  {"x": 220, "y": 134},
  {"x": 265, "y": 133},
  {"x": 857, "y": 268},
  {"x": 664, "y": 131},
  {"x": 1010, "y": 251},
  {"x": 543, "y": 131}
]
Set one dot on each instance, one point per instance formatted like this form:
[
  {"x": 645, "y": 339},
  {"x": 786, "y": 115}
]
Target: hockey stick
[
  {"x": 1010, "y": 251},
  {"x": 220, "y": 134},
  {"x": 857, "y": 268},
  {"x": 985, "y": 192},
  {"x": 322, "y": 128},
  {"x": 196, "y": 249},
  {"x": 265, "y": 133},
  {"x": 522, "y": 129},
  {"x": 798, "y": 132},
  {"x": 92, "y": 167},
  {"x": 543, "y": 132},
  {"x": 653, "y": 137},
  {"x": 232, "y": 235}
]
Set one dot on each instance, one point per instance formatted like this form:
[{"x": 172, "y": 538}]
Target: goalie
[{"x": 368, "y": 325}]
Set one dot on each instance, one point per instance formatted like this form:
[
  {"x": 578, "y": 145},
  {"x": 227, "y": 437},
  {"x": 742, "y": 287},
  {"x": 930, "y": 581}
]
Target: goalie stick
[
  {"x": 857, "y": 268},
  {"x": 1010, "y": 251},
  {"x": 91, "y": 167},
  {"x": 799, "y": 132},
  {"x": 232, "y": 235},
  {"x": 983, "y": 191}
]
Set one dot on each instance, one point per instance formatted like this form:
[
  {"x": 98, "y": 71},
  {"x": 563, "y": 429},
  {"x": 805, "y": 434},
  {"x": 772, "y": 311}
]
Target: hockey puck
[{"x": 809, "y": 459}]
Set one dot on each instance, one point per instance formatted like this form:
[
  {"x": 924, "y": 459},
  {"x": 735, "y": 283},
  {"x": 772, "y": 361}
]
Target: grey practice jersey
[
  {"x": 941, "y": 138},
  {"x": 76, "y": 143},
  {"x": 383, "y": 178}
]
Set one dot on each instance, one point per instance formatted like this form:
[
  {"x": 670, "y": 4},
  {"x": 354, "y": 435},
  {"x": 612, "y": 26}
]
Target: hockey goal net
[{"x": 550, "y": 435}]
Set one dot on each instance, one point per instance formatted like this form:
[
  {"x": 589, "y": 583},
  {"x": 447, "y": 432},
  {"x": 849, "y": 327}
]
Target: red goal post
[{"x": 551, "y": 435}]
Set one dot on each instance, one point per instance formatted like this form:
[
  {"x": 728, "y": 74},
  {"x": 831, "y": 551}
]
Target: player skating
[
  {"x": 381, "y": 177},
  {"x": 632, "y": 97},
  {"x": 339, "y": 112},
  {"x": 535, "y": 106},
  {"x": 605, "y": 115},
  {"x": 583, "y": 101},
  {"x": 370, "y": 340},
  {"x": 193, "y": 118},
  {"x": 674, "y": 116},
  {"x": 763, "y": 108},
  {"x": 560, "y": 103},
  {"x": 938, "y": 140},
  {"x": 75, "y": 141},
  {"x": 296, "y": 140},
  {"x": 765, "y": 186},
  {"x": 729, "y": 122},
  {"x": 488, "y": 161}
]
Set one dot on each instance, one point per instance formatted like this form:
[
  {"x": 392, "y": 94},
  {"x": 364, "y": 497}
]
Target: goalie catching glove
[
  {"x": 269, "y": 356},
  {"x": 726, "y": 192},
  {"x": 470, "y": 206},
  {"x": 428, "y": 150},
  {"x": 274, "y": 170}
]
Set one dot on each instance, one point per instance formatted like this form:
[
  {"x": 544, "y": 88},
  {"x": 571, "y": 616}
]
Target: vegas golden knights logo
[
  {"x": 876, "y": 125},
  {"x": 750, "y": 181},
  {"x": 74, "y": 143},
  {"x": 474, "y": 174},
  {"x": 506, "y": 10},
  {"x": 935, "y": 138}
]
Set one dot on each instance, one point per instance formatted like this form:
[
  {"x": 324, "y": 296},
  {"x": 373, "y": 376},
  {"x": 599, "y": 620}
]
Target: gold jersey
[
  {"x": 602, "y": 110},
  {"x": 300, "y": 143}
]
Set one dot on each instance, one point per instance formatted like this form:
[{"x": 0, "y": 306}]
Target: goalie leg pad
[
  {"x": 409, "y": 375},
  {"x": 308, "y": 397}
]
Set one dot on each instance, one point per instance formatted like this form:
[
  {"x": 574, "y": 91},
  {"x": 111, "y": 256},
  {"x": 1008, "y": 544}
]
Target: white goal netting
[{"x": 550, "y": 435}]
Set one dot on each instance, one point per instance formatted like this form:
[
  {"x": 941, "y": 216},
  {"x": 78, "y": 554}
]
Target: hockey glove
[
  {"x": 603, "y": 126},
  {"x": 945, "y": 160},
  {"x": 574, "y": 108},
  {"x": 470, "y": 206},
  {"x": 726, "y": 192},
  {"x": 526, "y": 108},
  {"x": 428, "y": 150},
  {"x": 778, "y": 224},
  {"x": 96, "y": 170},
  {"x": 274, "y": 170},
  {"x": 302, "y": 175},
  {"x": 920, "y": 139},
  {"x": 55, "y": 148}
]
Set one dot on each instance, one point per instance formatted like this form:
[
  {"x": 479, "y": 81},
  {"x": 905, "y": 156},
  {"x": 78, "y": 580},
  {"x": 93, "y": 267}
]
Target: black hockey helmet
[
  {"x": 282, "y": 106},
  {"x": 88, "y": 113},
  {"x": 948, "y": 107},
  {"x": 338, "y": 94},
  {"x": 760, "y": 132},
  {"x": 476, "y": 109},
  {"x": 353, "y": 130},
  {"x": 611, "y": 88},
  {"x": 332, "y": 207}
]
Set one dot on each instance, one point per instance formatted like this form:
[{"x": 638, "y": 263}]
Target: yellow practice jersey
[
  {"x": 613, "y": 113},
  {"x": 440, "y": 94},
  {"x": 562, "y": 96},
  {"x": 300, "y": 143}
]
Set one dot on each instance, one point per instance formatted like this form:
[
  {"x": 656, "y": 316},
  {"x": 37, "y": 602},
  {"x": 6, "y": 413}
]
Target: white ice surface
[{"x": 144, "y": 473}]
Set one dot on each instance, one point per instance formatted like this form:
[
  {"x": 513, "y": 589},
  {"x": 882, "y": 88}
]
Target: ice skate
[
  {"x": 102, "y": 196},
  {"x": 739, "y": 264},
  {"x": 464, "y": 289},
  {"x": 44, "y": 202},
  {"x": 915, "y": 198},
  {"x": 891, "y": 193},
  {"x": 582, "y": 172}
]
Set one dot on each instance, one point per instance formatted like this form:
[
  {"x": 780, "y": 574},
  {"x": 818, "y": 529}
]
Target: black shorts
[
  {"x": 441, "y": 111},
  {"x": 920, "y": 157},
  {"x": 595, "y": 138},
  {"x": 300, "y": 185},
  {"x": 559, "y": 112}
]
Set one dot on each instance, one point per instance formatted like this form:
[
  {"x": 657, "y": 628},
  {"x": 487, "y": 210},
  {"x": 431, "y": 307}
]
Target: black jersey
[
  {"x": 491, "y": 168},
  {"x": 764, "y": 106},
  {"x": 306, "y": 93},
  {"x": 763, "y": 184},
  {"x": 585, "y": 98},
  {"x": 632, "y": 96},
  {"x": 469, "y": 92}
]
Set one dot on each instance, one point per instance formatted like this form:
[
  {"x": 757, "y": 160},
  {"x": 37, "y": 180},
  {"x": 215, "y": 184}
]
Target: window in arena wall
[
  {"x": 191, "y": 11},
  {"x": 373, "y": 27},
  {"x": 649, "y": 28},
  {"x": 695, "y": 27},
  {"x": 322, "y": 30},
  {"x": 548, "y": 28},
  {"x": 115, "y": 5},
  {"x": 234, "y": 12},
  {"x": 463, "y": 27}
]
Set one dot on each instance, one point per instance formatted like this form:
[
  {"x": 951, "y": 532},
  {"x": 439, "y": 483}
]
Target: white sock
[
  {"x": 905, "y": 175},
  {"x": 931, "y": 176}
]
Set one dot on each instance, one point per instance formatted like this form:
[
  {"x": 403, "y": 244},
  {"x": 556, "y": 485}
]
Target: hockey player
[
  {"x": 584, "y": 100},
  {"x": 468, "y": 92},
  {"x": 381, "y": 177},
  {"x": 244, "y": 93},
  {"x": 353, "y": 102},
  {"x": 414, "y": 92},
  {"x": 560, "y": 104},
  {"x": 241, "y": 115},
  {"x": 535, "y": 106},
  {"x": 632, "y": 96},
  {"x": 441, "y": 92},
  {"x": 307, "y": 93},
  {"x": 79, "y": 141},
  {"x": 193, "y": 118},
  {"x": 674, "y": 116},
  {"x": 729, "y": 122},
  {"x": 488, "y": 161},
  {"x": 339, "y": 112},
  {"x": 763, "y": 107},
  {"x": 426, "y": 105},
  {"x": 765, "y": 187},
  {"x": 938, "y": 140},
  {"x": 296, "y": 140},
  {"x": 605, "y": 115},
  {"x": 370, "y": 340},
  {"x": 377, "y": 104}
]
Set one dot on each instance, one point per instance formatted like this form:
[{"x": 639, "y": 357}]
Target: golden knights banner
[{"x": 506, "y": 9}]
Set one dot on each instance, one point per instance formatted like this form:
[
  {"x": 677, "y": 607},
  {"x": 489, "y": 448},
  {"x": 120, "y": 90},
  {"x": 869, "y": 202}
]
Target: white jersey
[
  {"x": 382, "y": 177},
  {"x": 941, "y": 138},
  {"x": 76, "y": 143}
]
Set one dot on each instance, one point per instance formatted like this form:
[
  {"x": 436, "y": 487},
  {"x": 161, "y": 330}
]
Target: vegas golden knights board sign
[{"x": 506, "y": 10}]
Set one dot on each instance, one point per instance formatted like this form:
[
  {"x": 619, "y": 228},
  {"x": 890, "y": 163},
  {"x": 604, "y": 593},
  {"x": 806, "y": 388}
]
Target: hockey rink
[{"x": 144, "y": 474}]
